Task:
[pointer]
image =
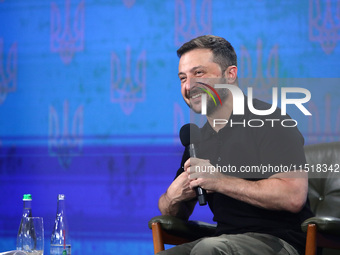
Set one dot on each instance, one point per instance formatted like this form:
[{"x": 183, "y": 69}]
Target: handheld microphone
[{"x": 190, "y": 135}]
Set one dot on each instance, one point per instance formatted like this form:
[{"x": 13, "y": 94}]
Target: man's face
[{"x": 194, "y": 66}]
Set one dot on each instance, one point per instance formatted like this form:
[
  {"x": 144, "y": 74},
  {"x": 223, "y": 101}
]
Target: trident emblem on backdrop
[
  {"x": 65, "y": 141},
  {"x": 67, "y": 34},
  {"x": 188, "y": 26},
  {"x": 129, "y": 3},
  {"x": 262, "y": 80},
  {"x": 128, "y": 90},
  {"x": 324, "y": 26},
  {"x": 8, "y": 71}
]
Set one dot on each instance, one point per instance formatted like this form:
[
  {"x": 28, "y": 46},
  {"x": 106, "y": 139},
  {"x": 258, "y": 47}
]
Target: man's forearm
[
  {"x": 179, "y": 199},
  {"x": 282, "y": 191},
  {"x": 178, "y": 209},
  {"x": 166, "y": 206},
  {"x": 274, "y": 193}
]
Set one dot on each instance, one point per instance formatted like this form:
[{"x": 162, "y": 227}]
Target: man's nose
[{"x": 187, "y": 84}]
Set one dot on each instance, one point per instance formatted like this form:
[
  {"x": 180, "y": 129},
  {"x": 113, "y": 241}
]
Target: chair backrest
[{"x": 324, "y": 186}]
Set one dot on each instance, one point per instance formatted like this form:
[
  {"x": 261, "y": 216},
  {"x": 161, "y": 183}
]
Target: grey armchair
[{"x": 323, "y": 230}]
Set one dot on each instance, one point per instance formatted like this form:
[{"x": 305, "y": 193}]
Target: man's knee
[{"x": 211, "y": 246}]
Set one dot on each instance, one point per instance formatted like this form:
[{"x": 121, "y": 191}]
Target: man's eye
[{"x": 199, "y": 72}]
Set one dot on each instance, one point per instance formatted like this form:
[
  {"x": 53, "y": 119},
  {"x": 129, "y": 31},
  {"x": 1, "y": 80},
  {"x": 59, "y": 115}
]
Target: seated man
[{"x": 254, "y": 215}]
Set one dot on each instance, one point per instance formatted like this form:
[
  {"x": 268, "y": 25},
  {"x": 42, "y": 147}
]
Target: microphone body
[
  {"x": 190, "y": 134},
  {"x": 201, "y": 193}
]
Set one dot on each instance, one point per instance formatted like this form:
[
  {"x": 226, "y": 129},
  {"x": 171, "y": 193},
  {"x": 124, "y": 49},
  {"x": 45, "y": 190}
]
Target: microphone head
[{"x": 189, "y": 134}]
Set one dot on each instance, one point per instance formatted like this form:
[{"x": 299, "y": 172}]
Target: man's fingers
[
  {"x": 187, "y": 164},
  {"x": 194, "y": 184},
  {"x": 194, "y": 175}
]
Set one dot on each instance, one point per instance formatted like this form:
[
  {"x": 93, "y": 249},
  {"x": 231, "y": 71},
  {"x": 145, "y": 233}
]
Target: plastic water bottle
[
  {"x": 27, "y": 212},
  {"x": 60, "y": 239}
]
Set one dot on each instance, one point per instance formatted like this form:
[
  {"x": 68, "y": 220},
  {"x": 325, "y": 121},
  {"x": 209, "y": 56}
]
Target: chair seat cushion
[{"x": 187, "y": 229}]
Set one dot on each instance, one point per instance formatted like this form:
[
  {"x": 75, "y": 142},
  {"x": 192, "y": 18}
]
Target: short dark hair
[{"x": 223, "y": 52}]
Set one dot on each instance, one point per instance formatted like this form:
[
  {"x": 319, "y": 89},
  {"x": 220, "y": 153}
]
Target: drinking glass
[{"x": 33, "y": 236}]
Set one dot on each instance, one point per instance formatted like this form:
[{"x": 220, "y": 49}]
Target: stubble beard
[{"x": 211, "y": 107}]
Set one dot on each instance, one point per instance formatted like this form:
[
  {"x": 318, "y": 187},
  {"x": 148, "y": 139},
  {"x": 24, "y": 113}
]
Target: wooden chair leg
[
  {"x": 311, "y": 240},
  {"x": 158, "y": 242}
]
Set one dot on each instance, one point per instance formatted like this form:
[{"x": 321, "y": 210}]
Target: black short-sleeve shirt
[{"x": 244, "y": 143}]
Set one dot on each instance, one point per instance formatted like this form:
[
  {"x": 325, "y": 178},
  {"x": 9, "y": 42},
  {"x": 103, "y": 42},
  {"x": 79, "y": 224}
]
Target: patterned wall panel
[
  {"x": 8, "y": 70},
  {"x": 90, "y": 101},
  {"x": 128, "y": 80},
  {"x": 192, "y": 18},
  {"x": 67, "y": 29},
  {"x": 324, "y": 26}
]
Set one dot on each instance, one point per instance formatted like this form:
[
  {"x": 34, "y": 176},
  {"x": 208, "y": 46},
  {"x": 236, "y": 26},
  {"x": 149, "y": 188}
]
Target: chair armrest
[
  {"x": 191, "y": 230},
  {"x": 325, "y": 225}
]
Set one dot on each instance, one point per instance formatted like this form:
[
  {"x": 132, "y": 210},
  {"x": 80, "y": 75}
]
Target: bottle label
[{"x": 59, "y": 249}]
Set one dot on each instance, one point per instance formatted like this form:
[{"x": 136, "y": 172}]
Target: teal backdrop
[{"x": 90, "y": 102}]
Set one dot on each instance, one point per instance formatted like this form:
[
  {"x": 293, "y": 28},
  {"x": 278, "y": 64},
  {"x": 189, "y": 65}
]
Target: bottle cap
[
  {"x": 61, "y": 197},
  {"x": 27, "y": 197}
]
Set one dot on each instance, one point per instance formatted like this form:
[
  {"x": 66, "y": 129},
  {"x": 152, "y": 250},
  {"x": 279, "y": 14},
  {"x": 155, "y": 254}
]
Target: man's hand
[
  {"x": 180, "y": 189},
  {"x": 179, "y": 200},
  {"x": 202, "y": 173}
]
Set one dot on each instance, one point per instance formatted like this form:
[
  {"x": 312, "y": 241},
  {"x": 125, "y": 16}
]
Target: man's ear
[{"x": 231, "y": 74}]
